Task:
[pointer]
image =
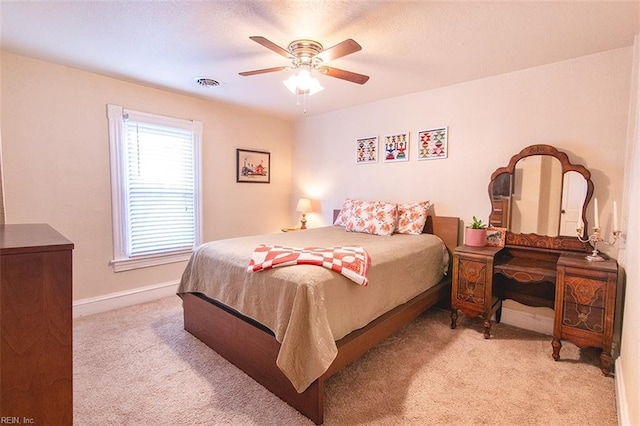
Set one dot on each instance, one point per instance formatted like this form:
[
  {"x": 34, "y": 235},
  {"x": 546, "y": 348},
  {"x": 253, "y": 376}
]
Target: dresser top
[
  {"x": 37, "y": 237},
  {"x": 579, "y": 261},
  {"x": 483, "y": 251}
]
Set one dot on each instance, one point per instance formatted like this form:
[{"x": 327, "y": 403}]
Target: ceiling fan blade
[
  {"x": 262, "y": 71},
  {"x": 344, "y": 75},
  {"x": 339, "y": 50},
  {"x": 272, "y": 46}
]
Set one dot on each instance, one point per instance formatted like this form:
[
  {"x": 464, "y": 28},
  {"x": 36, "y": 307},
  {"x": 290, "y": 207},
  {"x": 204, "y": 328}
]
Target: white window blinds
[
  {"x": 155, "y": 181},
  {"x": 160, "y": 188}
]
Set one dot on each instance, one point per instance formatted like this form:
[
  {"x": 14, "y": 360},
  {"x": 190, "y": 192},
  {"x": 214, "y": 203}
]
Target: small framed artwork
[
  {"x": 367, "y": 150},
  {"x": 396, "y": 147},
  {"x": 253, "y": 166},
  {"x": 496, "y": 236},
  {"x": 432, "y": 144}
]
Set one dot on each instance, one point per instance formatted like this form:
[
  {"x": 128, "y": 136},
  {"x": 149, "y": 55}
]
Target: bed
[{"x": 323, "y": 320}]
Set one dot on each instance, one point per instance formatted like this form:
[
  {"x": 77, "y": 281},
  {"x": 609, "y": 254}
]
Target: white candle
[
  {"x": 596, "y": 222},
  {"x": 615, "y": 217},
  {"x": 579, "y": 226}
]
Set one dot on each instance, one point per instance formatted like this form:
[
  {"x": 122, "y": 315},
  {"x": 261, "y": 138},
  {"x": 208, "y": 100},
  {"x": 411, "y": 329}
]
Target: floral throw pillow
[
  {"x": 412, "y": 217},
  {"x": 373, "y": 217},
  {"x": 345, "y": 212}
]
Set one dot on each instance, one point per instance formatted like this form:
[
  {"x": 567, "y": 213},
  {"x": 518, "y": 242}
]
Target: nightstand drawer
[
  {"x": 585, "y": 291},
  {"x": 583, "y": 317},
  {"x": 471, "y": 281}
]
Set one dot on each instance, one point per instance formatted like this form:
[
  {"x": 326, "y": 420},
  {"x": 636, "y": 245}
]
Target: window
[{"x": 155, "y": 187}]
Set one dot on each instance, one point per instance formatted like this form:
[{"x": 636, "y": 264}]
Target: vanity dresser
[{"x": 540, "y": 199}]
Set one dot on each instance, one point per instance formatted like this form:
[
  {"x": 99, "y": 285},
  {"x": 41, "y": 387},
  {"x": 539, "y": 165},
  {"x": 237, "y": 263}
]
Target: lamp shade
[{"x": 304, "y": 205}]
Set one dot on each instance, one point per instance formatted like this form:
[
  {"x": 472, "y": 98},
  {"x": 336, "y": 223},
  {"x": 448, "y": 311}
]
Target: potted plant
[{"x": 475, "y": 235}]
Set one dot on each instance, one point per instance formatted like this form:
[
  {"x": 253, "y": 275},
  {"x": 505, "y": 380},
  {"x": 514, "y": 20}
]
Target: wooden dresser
[{"x": 36, "y": 325}]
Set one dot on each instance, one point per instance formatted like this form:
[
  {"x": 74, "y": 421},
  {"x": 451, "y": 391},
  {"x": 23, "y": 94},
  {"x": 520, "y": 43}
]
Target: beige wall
[{"x": 56, "y": 164}]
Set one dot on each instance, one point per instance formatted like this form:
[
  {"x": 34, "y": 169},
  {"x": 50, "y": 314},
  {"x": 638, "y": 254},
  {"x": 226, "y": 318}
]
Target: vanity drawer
[
  {"x": 585, "y": 291},
  {"x": 583, "y": 317}
]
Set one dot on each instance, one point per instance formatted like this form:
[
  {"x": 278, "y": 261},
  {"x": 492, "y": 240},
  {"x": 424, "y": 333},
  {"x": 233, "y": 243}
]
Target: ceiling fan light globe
[
  {"x": 292, "y": 84},
  {"x": 304, "y": 79},
  {"x": 303, "y": 83},
  {"x": 315, "y": 86}
]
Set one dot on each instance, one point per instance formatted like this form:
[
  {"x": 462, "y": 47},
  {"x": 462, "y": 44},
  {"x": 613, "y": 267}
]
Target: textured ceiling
[{"x": 407, "y": 46}]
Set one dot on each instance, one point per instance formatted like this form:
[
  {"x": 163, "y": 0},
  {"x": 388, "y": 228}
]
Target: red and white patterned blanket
[{"x": 352, "y": 262}]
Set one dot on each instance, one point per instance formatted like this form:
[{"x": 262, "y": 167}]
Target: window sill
[{"x": 120, "y": 265}]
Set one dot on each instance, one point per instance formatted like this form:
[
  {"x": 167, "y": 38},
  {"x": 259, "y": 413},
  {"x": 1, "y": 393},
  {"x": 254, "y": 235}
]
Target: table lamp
[{"x": 304, "y": 207}]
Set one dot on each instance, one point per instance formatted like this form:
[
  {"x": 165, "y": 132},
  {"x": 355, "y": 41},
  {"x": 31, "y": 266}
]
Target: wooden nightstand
[
  {"x": 472, "y": 285},
  {"x": 585, "y": 305},
  {"x": 291, "y": 229}
]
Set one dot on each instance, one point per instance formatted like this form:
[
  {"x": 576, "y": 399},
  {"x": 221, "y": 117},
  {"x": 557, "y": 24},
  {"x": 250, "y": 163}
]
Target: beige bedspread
[{"x": 309, "y": 307}]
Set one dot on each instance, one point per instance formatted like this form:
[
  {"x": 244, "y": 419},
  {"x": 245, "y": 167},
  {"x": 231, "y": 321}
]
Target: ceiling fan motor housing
[{"x": 304, "y": 52}]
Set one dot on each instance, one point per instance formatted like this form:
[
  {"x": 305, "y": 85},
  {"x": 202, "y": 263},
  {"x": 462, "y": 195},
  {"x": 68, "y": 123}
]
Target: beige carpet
[{"x": 137, "y": 366}]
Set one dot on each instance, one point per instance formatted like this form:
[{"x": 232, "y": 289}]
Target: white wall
[
  {"x": 579, "y": 106},
  {"x": 627, "y": 366},
  {"x": 56, "y": 164}
]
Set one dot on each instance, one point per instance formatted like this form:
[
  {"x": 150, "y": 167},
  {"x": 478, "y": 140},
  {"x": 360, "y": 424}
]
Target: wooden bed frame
[{"x": 253, "y": 348}]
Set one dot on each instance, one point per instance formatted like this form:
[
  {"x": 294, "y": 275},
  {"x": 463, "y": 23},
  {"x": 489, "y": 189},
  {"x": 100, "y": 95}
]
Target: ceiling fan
[{"x": 310, "y": 55}]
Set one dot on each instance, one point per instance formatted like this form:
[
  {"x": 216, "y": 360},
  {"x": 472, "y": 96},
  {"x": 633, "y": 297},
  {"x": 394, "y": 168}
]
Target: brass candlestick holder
[{"x": 595, "y": 239}]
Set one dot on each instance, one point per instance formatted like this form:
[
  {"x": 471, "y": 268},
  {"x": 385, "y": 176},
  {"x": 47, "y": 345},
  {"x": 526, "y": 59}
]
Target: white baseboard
[
  {"x": 621, "y": 395},
  {"x": 107, "y": 302},
  {"x": 529, "y": 321}
]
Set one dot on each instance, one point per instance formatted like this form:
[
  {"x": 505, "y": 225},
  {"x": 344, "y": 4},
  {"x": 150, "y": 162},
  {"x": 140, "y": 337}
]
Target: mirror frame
[{"x": 561, "y": 242}]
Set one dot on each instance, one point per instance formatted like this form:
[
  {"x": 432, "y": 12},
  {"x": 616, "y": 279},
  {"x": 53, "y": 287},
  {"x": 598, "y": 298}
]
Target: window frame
[{"x": 117, "y": 145}]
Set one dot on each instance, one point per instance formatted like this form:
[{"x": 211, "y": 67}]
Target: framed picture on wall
[
  {"x": 253, "y": 166},
  {"x": 496, "y": 236},
  {"x": 367, "y": 150},
  {"x": 396, "y": 147},
  {"x": 432, "y": 144}
]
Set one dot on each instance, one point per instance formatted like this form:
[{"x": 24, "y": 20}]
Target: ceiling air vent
[{"x": 207, "y": 82}]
